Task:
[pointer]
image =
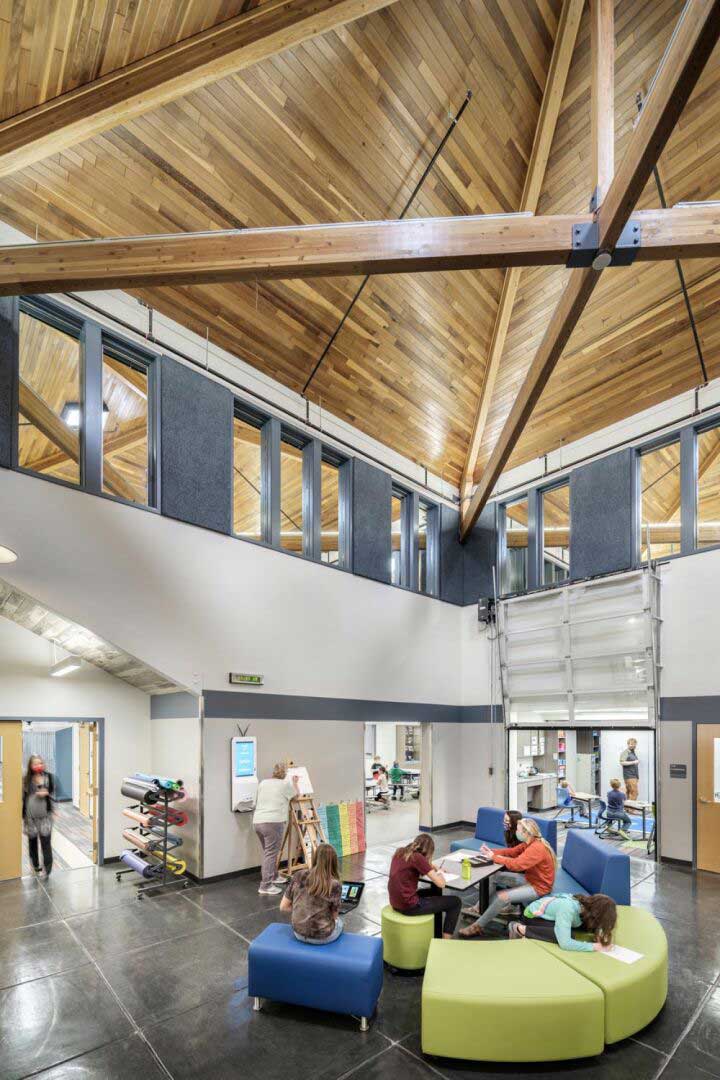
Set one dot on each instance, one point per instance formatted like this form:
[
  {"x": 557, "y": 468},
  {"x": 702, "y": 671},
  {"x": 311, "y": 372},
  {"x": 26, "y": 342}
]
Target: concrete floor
[{"x": 98, "y": 984}]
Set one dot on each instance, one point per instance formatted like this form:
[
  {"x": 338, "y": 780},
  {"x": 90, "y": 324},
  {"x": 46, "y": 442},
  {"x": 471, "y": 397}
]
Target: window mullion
[
  {"x": 312, "y": 499},
  {"x": 91, "y": 409},
  {"x": 270, "y": 486}
]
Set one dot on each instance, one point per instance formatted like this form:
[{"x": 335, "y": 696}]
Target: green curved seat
[
  {"x": 406, "y": 939},
  {"x": 634, "y": 993},
  {"x": 532, "y": 1001}
]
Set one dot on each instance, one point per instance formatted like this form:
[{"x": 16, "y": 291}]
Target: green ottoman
[
  {"x": 507, "y": 1001},
  {"x": 634, "y": 993},
  {"x": 406, "y": 939}
]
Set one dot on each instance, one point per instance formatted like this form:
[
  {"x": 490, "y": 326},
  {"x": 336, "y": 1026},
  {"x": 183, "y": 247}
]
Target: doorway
[
  {"x": 393, "y": 773},
  {"x": 707, "y": 748},
  {"x": 70, "y": 753},
  {"x": 546, "y": 766}
]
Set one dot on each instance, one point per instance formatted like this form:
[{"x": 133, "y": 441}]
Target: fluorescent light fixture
[
  {"x": 64, "y": 667},
  {"x": 7, "y": 555},
  {"x": 72, "y": 414}
]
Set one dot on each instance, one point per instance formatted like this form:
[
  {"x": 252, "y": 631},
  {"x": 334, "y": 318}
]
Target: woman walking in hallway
[
  {"x": 270, "y": 819},
  {"x": 38, "y": 812}
]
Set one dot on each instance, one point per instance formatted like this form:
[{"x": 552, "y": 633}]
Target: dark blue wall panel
[
  {"x": 371, "y": 521},
  {"x": 452, "y": 556},
  {"x": 8, "y": 377},
  {"x": 63, "y": 764},
  {"x": 602, "y": 515},
  {"x": 480, "y": 557},
  {"x": 196, "y": 417}
]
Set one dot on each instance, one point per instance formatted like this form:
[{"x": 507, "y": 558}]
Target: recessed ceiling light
[{"x": 7, "y": 555}]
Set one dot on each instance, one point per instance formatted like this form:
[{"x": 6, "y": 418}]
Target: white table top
[{"x": 477, "y": 873}]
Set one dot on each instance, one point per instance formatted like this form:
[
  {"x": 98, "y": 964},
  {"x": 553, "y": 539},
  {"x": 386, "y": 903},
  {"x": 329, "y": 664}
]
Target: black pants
[
  {"x": 540, "y": 929},
  {"x": 401, "y": 788},
  {"x": 46, "y": 851},
  {"x": 432, "y": 902}
]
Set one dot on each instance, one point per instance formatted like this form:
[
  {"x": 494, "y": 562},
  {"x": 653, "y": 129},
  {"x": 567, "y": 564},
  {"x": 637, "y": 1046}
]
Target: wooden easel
[{"x": 303, "y": 833}]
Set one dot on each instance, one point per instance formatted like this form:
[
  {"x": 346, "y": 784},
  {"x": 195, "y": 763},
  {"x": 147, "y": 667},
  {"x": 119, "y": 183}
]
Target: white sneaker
[
  {"x": 280, "y": 880},
  {"x": 269, "y": 890}
]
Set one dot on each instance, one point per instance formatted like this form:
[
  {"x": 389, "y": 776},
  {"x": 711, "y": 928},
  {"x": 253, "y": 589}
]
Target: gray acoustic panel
[
  {"x": 8, "y": 378},
  {"x": 480, "y": 556},
  {"x": 196, "y": 417},
  {"x": 602, "y": 516},
  {"x": 452, "y": 556},
  {"x": 371, "y": 521}
]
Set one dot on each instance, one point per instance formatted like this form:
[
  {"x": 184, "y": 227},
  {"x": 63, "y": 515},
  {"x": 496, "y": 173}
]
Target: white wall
[
  {"x": 478, "y": 649},
  {"x": 612, "y": 743},
  {"x": 482, "y": 748},
  {"x": 690, "y": 611},
  {"x": 197, "y": 605},
  {"x": 26, "y": 689},
  {"x": 175, "y": 752},
  {"x": 332, "y": 751}
]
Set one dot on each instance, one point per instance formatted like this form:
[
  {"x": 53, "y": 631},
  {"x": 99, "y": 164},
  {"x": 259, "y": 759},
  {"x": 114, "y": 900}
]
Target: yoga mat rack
[{"x": 151, "y": 854}]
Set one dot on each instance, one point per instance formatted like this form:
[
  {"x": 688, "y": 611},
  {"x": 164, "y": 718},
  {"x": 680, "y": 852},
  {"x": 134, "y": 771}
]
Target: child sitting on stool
[
  {"x": 313, "y": 899},
  {"x": 616, "y": 808}
]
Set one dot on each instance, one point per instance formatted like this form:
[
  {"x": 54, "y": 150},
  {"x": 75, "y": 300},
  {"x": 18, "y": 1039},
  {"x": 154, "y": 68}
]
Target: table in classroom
[
  {"x": 584, "y": 797},
  {"x": 643, "y": 807}
]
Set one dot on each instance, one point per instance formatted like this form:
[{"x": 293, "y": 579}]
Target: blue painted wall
[{"x": 63, "y": 765}]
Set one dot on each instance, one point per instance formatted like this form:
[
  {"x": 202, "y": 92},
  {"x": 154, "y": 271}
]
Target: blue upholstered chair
[{"x": 489, "y": 830}]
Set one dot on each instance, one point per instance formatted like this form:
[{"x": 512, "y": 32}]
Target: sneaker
[
  {"x": 513, "y": 932},
  {"x": 269, "y": 890},
  {"x": 471, "y": 912},
  {"x": 625, "y": 834},
  {"x": 280, "y": 880}
]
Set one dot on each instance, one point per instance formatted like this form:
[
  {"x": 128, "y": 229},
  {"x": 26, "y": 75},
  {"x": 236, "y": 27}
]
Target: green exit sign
[{"x": 238, "y": 679}]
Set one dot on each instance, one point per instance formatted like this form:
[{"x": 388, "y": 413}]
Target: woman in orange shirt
[{"x": 531, "y": 864}]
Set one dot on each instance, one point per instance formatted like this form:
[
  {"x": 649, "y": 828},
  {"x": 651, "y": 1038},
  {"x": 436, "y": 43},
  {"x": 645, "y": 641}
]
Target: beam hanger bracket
[{"x": 585, "y": 244}]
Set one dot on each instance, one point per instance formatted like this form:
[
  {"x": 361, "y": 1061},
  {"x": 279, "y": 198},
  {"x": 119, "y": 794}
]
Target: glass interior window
[
  {"x": 396, "y": 539},
  {"x": 556, "y": 534},
  {"x": 50, "y": 401},
  {"x": 514, "y": 578},
  {"x": 708, "y": 488},
  {"x": 125, "y": 430},
  {"x": 247, "y": 480},
  {"x": 422, "y": 547},
  {"x": 329, "y": 513},
  {"x": 291, "y": 496},
  {"x": 660, "y": 502}
]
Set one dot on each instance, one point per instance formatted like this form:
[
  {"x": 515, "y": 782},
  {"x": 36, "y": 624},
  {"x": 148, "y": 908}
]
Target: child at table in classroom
[
  {"x": 570, "y": 792},
  {"x": 616, "y": 808},
  {"x": 383, "y": 794}
]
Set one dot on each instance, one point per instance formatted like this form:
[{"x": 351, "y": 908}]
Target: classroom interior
[{"x": 359, "y": 422}]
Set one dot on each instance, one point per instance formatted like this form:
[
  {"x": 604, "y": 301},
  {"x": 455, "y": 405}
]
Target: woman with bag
[{"x": 37, "y": 812}]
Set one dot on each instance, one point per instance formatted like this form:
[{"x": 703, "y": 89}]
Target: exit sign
[{"x": 238, "y": 679}]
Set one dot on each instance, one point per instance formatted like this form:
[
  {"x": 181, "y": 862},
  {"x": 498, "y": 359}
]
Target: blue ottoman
[{"x": 344, "y": 977}]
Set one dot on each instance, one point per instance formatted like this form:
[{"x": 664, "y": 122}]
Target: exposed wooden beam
[
  {"x": 126, "y": 438},
  {"x": 378, "y": 247},
  {"x": 547, "y": 121},
  {"x": 49, "y": 424},
  {"x": 171, "y": 73},
  {"x": 689, "y": 50},
  {"x": 602, "y": 95}
]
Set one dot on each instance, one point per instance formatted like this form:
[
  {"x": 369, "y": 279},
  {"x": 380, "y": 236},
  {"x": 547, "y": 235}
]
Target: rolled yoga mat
[
  {"x": 139, "y": 791},
  {"x": 161, "y": 781},
  {"x": 139, "y": 865},
  {"x": 142, "y": 819},
  {"x": 136, "y": 839},
  {"x": 175, "y": 818}
]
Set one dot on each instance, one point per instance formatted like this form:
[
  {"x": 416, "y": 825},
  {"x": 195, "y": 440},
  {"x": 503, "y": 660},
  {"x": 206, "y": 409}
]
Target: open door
[
  {"x": 89, "y": 791},
  {"x": 10, "y": 799},
  {"x": 708, "y": 797}
]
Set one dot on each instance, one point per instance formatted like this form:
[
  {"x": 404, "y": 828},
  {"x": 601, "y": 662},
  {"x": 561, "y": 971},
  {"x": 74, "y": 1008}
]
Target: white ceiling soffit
[{"x": 24, "y": 610}]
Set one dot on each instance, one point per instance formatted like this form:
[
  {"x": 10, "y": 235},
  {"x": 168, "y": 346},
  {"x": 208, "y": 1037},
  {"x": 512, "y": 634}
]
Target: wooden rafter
[
  {"x": 695, "y": 37},
  {"x": 49, "y": 424},
  {"x": 377, "y": 247},
  {"x": 602, "y": 94},
  {"x": 544, "y": 132},
  {"x": 171, "y": 73}
]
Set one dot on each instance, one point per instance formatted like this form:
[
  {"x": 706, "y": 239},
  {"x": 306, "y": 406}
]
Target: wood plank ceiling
[{"x": 341, "y": 128}]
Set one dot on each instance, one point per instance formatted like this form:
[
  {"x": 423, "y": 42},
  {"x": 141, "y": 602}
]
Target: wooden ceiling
[{"x": 341, "y": 128}]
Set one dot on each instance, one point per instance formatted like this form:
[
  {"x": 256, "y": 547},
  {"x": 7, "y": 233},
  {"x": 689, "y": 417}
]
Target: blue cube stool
[{"x": 343, "y": 977}]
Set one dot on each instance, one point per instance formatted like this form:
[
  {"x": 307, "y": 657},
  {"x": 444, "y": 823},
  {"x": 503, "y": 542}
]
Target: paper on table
[
  {"x": 627, "y": 956},
  {"x": 458, "y": 856},
  {"x": 449, "y": 877}
]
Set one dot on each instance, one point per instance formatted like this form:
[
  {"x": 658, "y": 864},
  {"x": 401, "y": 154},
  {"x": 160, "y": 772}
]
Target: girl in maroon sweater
[{"x": 408, "y": 865}]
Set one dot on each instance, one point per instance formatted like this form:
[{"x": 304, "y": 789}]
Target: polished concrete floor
[{"x": 95, "y": 983}]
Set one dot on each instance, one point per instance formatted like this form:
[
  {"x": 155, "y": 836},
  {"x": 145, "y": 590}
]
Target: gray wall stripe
[
  {"x": 174, "y": 706},
  {"x": 699, "y": 710},
  {"x": 251, "y": 705}
]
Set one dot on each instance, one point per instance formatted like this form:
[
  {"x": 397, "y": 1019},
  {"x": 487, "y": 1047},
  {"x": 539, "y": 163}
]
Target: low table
[
  {"x": 643, "y": 807},
  {"x": 479, "y": 875}
]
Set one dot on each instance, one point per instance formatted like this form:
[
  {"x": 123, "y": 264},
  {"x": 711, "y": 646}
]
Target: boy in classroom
[
  {"x": 570, "y": 792},
  {"x": 616, "y": 808},
  {"x": 397, "y": 777}
]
